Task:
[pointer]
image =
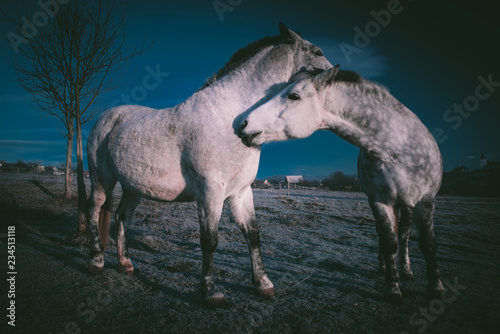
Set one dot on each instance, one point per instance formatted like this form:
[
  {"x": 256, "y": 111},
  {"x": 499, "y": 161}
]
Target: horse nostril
[{"x": 243, "y": 124}]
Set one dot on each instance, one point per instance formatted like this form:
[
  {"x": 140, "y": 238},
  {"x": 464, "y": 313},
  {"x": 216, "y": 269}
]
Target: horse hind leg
[
  {"x": 404, "y": 232},
  {"x": 386, "y": 221},
  {"x": 123, "y": 217},
  {"x": 423, "y": 215},
  {"x": 382, "y": 267},
  {"x": 99, "y": 207}
]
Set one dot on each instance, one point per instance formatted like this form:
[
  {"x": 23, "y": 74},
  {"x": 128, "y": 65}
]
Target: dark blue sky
[{"x": 431, "y": 56}]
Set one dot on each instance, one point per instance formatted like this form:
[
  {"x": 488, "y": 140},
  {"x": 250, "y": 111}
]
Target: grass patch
[{"x": 12, "y": 212}]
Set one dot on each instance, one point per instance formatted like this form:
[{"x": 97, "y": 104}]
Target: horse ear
[
  {"x": 289, "y": 36},
  {"x": 326, "y": 78}
]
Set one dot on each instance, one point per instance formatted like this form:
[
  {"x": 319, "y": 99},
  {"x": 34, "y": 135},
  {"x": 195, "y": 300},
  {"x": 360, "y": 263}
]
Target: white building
[
  {"x": 293, "y": 179},
  {"x": 482, "y": 161}
]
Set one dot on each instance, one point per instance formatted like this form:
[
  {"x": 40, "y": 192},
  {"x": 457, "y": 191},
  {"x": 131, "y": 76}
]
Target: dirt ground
[{"x": 319, "y": 248}]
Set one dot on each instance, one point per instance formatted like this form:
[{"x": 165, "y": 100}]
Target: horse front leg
[
  {"x": 209, "y": 212},
  {"x": 387, "y": 229},
  {"x": 423, "y": 214},
  {"x": 243, "y": 211}
]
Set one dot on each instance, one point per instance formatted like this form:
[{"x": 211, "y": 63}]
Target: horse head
[
  {"x": 297, "y": 111},
  {"x": 304, "y": 53}
]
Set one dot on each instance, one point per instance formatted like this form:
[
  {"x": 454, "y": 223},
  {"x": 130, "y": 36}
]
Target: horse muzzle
[{"x": 246, "y": 136}]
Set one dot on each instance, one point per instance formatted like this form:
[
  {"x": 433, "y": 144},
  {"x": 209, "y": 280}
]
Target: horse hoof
[
  {"x": 406, "y": 276},
  {"x": 215, "y": 302},
  {"x": 267, "y": 293},
  {"x": 128, "y": 268},
  {"x": 95, "y": 270},
  {"x": 394, "y": 298},
  {"x": 435, "y": 294},
  {"x": 393, "y": 293},
  {"x": 435, "y": 289},
  {"x": 129, "y": 271}
]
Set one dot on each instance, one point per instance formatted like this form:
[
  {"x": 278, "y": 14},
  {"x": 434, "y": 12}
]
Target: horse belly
[
  {"x": 393, "y": 183},
  {"x": 150, "y": 168},
  {"x": 157, "y": 185}
]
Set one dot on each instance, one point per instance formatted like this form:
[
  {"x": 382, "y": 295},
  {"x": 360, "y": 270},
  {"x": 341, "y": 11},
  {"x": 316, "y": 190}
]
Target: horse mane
[
  {"x": 341, "y": 76},
  {"x": 304, "y": 74},
  {"x": 348, "y": 76},
  {"x": 241, "y": 56},
  {"x": 365, "y": 86},
  {"x": 351, "y": 78}
]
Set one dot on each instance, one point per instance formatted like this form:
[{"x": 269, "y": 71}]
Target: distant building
[
  {"x": 482, "y": 161},
  {"x": 56, "y": 171},
  {"x": 293, "y": 179},
  {"x": 460, "y": 170},
  {"x": 262, "y": 184}
]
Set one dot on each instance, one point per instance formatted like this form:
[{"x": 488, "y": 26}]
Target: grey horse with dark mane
[
  {"x": 191, "y": 152},
  {"x": 400, "y": 166}
]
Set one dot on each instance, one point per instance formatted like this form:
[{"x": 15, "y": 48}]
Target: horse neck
[
  {"x": 258, "y": 77},
  {"x": 368, "y": 116}
]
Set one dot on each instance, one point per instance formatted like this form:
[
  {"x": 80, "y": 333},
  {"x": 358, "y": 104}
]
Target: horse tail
[{"x": 104, "y": 221}]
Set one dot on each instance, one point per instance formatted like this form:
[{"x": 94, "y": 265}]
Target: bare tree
[{"x": 69, "y": 62}]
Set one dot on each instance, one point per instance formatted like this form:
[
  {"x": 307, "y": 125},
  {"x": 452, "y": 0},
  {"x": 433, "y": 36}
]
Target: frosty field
[{"x": 319, "y": 247}]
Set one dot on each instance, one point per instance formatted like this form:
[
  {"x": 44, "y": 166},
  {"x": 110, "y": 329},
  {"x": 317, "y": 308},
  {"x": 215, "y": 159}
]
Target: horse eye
[
  {"x": 319, "y": 53},
  {"x": 294, "y": 96}
]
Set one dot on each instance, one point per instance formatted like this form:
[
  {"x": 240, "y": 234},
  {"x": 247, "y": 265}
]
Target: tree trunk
[
  {"x": 82, "y": 193},
  {"x": 69, "y": 152}
]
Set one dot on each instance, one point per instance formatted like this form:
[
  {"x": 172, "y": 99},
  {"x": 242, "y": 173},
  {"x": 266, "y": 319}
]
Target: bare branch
[{"x": 69, "y": 62}]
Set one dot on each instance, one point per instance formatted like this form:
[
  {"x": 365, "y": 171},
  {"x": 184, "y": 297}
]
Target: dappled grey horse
[
  {"x": 400, "y": 166},
  {"x": 192, "y": 152}
]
